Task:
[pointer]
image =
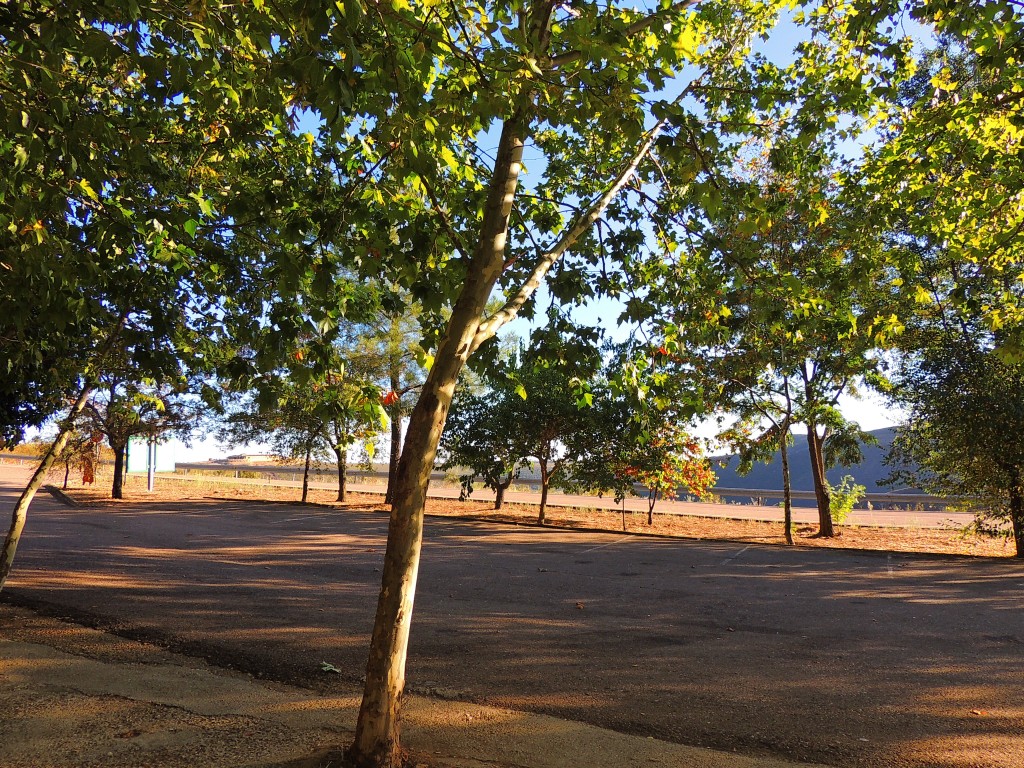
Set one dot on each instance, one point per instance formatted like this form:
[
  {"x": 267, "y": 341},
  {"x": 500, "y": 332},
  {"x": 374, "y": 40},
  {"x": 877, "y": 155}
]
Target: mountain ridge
[{"x": 768, "y": 476}]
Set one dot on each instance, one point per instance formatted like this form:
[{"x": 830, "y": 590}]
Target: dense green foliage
[{"x": 966, "y": 413}]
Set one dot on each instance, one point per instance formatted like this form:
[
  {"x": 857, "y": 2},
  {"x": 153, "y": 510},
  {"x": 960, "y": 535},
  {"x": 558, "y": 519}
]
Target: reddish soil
[{"x": 950, "y": 540}]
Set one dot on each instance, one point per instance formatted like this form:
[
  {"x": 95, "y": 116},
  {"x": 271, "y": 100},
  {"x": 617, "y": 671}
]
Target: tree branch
[
  {"x": 637, "y": 26},
  {"x": 583, "y": 222}
]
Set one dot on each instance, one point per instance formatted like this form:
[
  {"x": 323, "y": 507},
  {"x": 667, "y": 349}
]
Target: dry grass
[{"x": 947, "y": 541}]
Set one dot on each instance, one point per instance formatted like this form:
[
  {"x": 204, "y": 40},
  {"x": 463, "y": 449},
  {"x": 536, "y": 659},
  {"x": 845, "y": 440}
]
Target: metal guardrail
[
  {"x": 879, "y": 498},
  {"x": 876, "y": 500},
  {"x": 295, "y": 472}
]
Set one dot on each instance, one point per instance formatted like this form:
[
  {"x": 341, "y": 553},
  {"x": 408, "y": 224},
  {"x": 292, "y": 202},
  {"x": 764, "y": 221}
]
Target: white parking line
[
  {"x": 733, "y": 557},
  {"x": 293, "y": 519},
  {"x": 607, "y": 544}
]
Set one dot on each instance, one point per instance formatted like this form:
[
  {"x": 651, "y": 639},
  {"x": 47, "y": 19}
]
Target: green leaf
[{"x": 87, "y": 189}]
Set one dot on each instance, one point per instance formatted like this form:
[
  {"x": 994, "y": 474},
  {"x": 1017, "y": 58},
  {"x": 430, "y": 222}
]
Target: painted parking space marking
[
  {"x": 607, "y": 544},
  {"x": 733, "y": 557}
]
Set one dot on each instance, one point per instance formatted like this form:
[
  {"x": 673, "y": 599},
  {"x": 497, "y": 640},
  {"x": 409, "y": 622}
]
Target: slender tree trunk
[
  {"x": 545, "y": 482},
  {"x": 787, "y": 482},
  {"x": 1017, "y": 511},
  {"x": 814, "y": 447},
  {"x": 305, "y": 473},
  {"x": 652, "y": 499},
  {"x": 396, "y": 452},
  {"x": 395, "y": 416},
  {"x": 117, "y": 491},
  {"x": 787, "y": 490},
  {"x": 20, "y": 512},
  {"x": 377, "y": 743},
  {"x": 342, "y": 457},
  {"x": 67, "y": 473}
]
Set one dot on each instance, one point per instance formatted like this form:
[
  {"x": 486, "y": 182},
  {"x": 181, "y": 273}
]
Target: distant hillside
[{"x": 769, "y": 476}]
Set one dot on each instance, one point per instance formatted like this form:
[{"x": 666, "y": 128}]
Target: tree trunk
[
  {"x": 652, "y": 499},
  {"x": 67, "y": 473},
  {"x": 545, "y": 483},
  {"x": 499, "y": 493},
  {"x": 305, "y": 473},
  {"x": 1017, "y": 512},
  {"x": 342, "y": 456},
  {"x": 117, "y": 491},
  {"x": 20, "y": 513},
  {"x": 395, "y": 453},
  {"x": 821, "y": 493},
  {"x": 787, "y": 490},
  {"x": 377, "y": 743}
]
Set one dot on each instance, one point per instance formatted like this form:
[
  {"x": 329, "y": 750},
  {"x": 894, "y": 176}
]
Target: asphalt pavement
[{"x": 840, "y": 657}]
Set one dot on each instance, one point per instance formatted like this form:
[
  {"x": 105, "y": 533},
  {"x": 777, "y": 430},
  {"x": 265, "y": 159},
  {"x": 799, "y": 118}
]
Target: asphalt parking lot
[{"x": 840, "y": 657}]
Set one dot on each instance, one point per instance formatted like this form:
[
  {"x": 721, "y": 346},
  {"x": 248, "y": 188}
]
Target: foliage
[
  {"x": 965, "y": 410},
  {"x": 124, "y": 409},
  {"x": 150, "y": 165},
  {"x": 482, "y": 436},
  {"x": 667, "y": 464},
  {"x": 950, "y": 171},
  {"x": 845, "y": 497}
]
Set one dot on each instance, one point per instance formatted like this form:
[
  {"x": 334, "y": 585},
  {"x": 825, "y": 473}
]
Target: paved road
[{"x": 839, "y": 657}]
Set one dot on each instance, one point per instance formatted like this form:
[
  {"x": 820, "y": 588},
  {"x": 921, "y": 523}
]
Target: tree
[
  {"x": 637, "y": 409},
  {"x": 530, "y": 413},
  {"x": 550, "y": 422},
  {"x": 389, "y": 352},
  {"x": 666, "y": 464},
  {"x": 480, "y": 437},
  {"x": 575, "y": 81},
  {"x": 956, "y": 233},
  {"x": 965, "y": 407},
  {"x": 121, "y": 409},
  {"x": 782, "y": 305},
  {"x": 309, "y": 408},
  {"x": 80, "y": 451}
]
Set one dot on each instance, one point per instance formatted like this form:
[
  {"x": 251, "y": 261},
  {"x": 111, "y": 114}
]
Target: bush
[{"x": 844, "y": 497}]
